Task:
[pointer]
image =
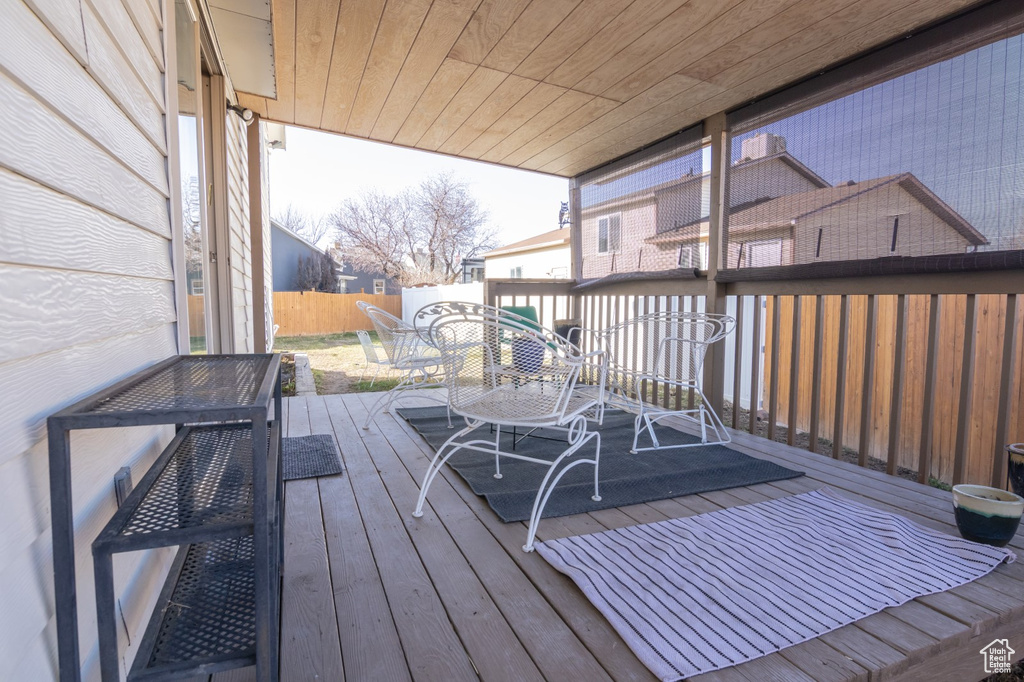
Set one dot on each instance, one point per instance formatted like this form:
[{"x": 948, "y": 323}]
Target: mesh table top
[{"x": 195, "y": 383}]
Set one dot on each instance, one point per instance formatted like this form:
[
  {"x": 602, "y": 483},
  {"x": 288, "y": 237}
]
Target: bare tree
[
  {"x": 452, "y": 225},
  {"x": 416, "y": 236},
  {"x": 192, "y": 230},
  {"x": 311, "y": 228}
]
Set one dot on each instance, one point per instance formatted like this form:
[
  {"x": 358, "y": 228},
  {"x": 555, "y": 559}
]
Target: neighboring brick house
[
  {"x": 619, "y": 234},
  {"x": 891, "y": 216}
]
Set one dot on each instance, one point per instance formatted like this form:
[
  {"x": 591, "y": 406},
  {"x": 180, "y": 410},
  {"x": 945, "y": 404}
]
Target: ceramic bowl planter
[
  {"x": 987, "y": 515},
  {"x": 1015, "y": 467}
]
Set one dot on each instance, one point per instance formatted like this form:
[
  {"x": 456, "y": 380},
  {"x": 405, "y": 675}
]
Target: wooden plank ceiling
[{"x": 558, "y": 86}]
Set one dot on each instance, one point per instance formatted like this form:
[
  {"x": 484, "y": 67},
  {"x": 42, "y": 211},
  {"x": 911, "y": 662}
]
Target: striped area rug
[{"x": 706, "y": 592}]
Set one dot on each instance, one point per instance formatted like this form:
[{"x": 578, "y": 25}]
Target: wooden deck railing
[{"x": 917, "y": 373}]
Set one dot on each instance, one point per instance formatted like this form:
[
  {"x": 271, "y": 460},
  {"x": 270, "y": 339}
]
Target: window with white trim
[{"x": 609, "y": 231}]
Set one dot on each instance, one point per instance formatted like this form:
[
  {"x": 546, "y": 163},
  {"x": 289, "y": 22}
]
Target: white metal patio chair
[
  {"x": 508, "y": 374},
  {"x": 661, "y": 353},
  {"x": 370, "y": 351},
  {"x": 419, "y": 363}
]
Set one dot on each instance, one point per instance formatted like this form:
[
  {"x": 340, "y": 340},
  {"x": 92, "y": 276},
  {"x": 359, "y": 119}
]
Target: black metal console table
[{"x": 215, "y": 491}]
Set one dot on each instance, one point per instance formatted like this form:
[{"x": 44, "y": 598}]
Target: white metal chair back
[
  {"x": 369, "y": 350},
  {"x": 418, "y": 362},
  {"x": 651, "y": 356},
  {"x": 666, "y": 346},
  {"x": 502, "y": 368},
  {"x": 370, "y": 353},
  {"x": 400, "y": 340}
]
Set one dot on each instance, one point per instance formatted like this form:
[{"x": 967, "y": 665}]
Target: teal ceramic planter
[
  {"x": 1015, "y": 467},
  {"x": 987, "y": 515}
]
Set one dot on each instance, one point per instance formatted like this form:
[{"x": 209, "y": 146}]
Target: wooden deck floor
[{"x": 373, "y": 594}]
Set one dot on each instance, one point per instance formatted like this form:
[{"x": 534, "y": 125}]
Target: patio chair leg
[
  {"x": 497, "y": 447},
  {"x": 374, "y": 376},
  {"x": 436, "y": 464},
  {"x": 547, "y": 486}
]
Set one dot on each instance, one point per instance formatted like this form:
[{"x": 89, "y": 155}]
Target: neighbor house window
[
  {"x": 609, "y": 229},
  {"x": 689, "y": 257},
  {"x": 378, "y": 286},
  {"x": 516, "y": 272}
]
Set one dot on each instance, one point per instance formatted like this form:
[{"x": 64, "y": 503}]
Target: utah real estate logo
[{"x": 998, "y": 656}]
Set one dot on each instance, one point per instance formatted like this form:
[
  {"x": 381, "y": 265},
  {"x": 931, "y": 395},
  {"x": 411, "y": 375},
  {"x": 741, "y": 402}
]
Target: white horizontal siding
[
  {"x": 86, "y": 294},
  {"x": 240, "y": 248}
]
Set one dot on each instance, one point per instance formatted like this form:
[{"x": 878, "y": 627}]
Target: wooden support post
[
  {"x": 819, "y": 335},
  {"x": 896, "y": 404},
  {"x": 794, "y": 374},
  {"x": 1009, "y": 374},
  {"x": 714, "y": 362},
  {"x": 837, "y": 425},
  {"x": 867, "y": 384},
  {"x": 963, "y": 426},
  {"x": 924, "y": 462},
  {"x": 260, "y": 304}
]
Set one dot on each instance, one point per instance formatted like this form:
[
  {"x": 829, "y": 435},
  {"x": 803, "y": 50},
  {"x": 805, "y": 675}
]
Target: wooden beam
[
  {"x": 254, "y": 145},
  {"x": 794, "y": 373},
  {"x": 1009, "y": 374},
  {"x": 840, "y": 407},
  {"x": 819, "y": 334},
  {"x": 896, "y": 403},
  {"x": 868, "y": 382},
  {"x": 924, "y": 465},
  {"x": 963, "y": 426}
]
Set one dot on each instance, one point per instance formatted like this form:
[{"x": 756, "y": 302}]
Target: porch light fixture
[{"x": 243, "y": 113}]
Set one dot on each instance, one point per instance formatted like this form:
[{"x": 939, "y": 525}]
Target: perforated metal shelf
[
  {"x": 181, "y": 389},
  {"x": 200, "y": 488},
  {"x": 205, "y": 619}
]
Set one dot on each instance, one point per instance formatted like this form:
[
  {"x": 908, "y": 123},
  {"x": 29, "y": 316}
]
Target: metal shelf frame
[{"x": 182, "y": 390}]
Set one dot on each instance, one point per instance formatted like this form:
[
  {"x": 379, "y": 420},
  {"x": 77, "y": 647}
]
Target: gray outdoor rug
[
  {"x": 625, "y": 479},
  {"x": 309, "y": 456},
  {"x": 706, "y": 592}
]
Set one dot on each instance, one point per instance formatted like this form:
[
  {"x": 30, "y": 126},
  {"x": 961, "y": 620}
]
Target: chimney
[{"x": 762, "y": 145}]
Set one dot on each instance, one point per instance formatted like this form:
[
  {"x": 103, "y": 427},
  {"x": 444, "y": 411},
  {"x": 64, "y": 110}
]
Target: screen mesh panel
[
  {"x": 918, "y": 170},
  {"x": 648, "y": 212}
]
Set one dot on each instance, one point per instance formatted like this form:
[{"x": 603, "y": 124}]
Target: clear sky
[{"x": 320, "y": 170}]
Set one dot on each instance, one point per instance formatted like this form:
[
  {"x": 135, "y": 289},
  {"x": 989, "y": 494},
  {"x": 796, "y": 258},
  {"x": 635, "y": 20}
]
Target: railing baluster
[
  {"x": 773, "y": 389},
  {"x": 794, "y": 372},
  {"x": 819, "y": 335},
  {"x": 1009, "y": 374},
  {"x": 635, "y": 361},
  {"x": 924, "y": 464},
  {"x": 755, "y": 365},
  {"x": 655, "y": 342},
  {"x": 867, "y": 383},
  {"x": 840, "y": 408},
  {"x": 690, "y": 398},
  {"x": 737, "y": 364},
  {"x": 963, "y": 427},
  {"x": 896, "y": 404}
]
